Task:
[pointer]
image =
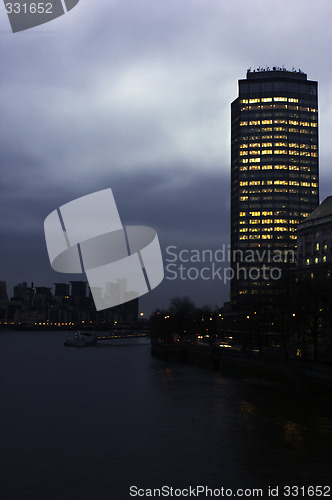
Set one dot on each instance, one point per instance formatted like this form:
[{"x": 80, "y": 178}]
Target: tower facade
[{"x": 274, "y": 176}]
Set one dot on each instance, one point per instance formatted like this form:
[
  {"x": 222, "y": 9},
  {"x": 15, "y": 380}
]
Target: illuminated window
[
  {"x": 292, "y": 99},
  {"x": 266, "y": 122},
  {"x": 242, "y": 214},
  {"x": 280, "y": 152},
  {"x": 243, "y": 153},
  {"x": 254, "y": 100},
  {"x": 243, "y": 124},
  {"x": 254, "y": 160},
  {"x": 280, "y": 99},
  {"x": 266, "y": 167},
  {"x": 244, "y": 183},
  {"x": 280, "y": 167},
  {"x": 266, "y": 99},
  {"x": 255, "y": 214}
]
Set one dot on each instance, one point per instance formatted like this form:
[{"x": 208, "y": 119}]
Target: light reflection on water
[{"x": 87, "y": 423}]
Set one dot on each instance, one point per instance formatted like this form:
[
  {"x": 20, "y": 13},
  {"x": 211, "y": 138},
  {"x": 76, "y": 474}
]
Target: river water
[{"x": 90, "y": 423}]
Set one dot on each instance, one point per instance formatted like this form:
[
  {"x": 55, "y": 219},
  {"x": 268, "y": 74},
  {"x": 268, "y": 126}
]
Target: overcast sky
[{"x": 135, "y": 95}]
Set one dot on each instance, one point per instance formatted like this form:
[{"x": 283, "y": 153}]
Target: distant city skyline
[{"x": 136, "y": 97}]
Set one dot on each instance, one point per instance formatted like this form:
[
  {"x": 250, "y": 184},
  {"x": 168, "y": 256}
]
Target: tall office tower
[{"x": 274, "y": 176}]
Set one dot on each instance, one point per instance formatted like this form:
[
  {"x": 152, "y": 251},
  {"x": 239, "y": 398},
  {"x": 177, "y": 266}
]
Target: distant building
[
  {"x": 3, "y": 302},
  {"x": 24, "y": 294},
  {"x": 61, "y": 289},
  {"x": 3, "y": 290},
  {"x": 274, "y": 175},
  {"x": 78, "y": 289}
]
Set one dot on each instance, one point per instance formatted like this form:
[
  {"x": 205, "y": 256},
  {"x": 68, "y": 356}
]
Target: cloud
[{"x": 136, "y": 96}]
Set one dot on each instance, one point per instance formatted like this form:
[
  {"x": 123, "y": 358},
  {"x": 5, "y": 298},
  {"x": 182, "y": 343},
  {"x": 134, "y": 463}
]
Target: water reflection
[
  {"x": 107, "y": 418},
  {"x": 294, "y": 433}
]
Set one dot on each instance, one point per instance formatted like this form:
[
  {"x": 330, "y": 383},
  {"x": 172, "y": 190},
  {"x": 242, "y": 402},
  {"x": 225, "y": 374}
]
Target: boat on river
[{"x": 80, "y": 339}]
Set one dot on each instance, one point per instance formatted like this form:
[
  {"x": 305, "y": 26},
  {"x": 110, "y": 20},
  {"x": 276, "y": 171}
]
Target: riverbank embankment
[{"x": 292, "y": 375}]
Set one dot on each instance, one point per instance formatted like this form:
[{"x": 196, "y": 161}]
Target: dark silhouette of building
[
  {"x": 24, "y": 294},
  {"x": 314, "y": 242},
  {"x": 274, "y": 177},
  {"x": 78, "y": 289},
  {"x": 310, "y": 284},
  {"x": 3, "y": 290},
  {"x": 61, "y": 289}
]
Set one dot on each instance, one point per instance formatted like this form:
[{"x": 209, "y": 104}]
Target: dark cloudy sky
[{"x": 135, "y": 95}]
